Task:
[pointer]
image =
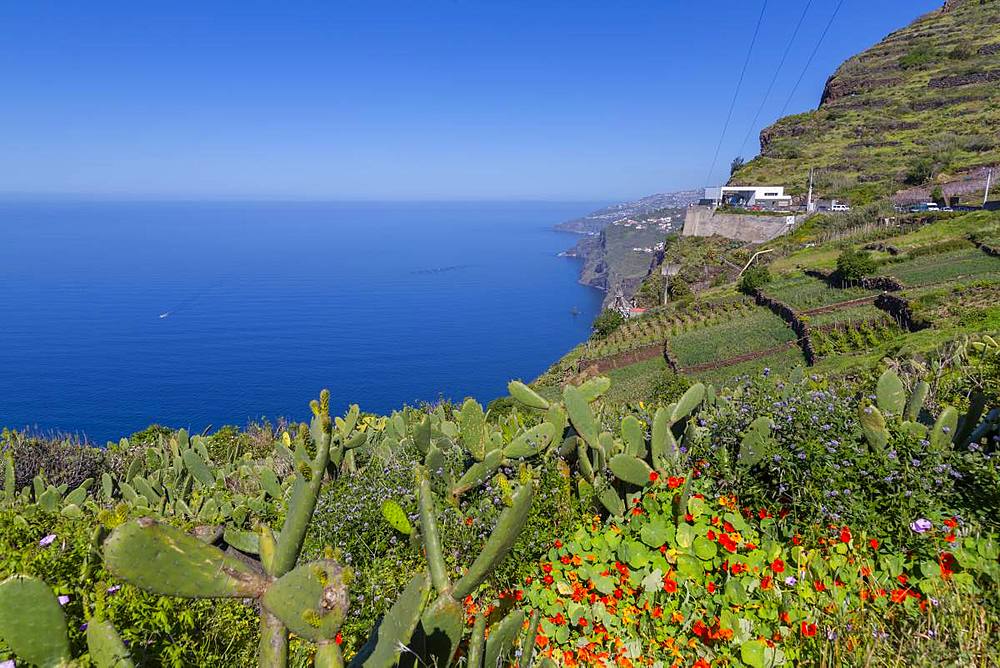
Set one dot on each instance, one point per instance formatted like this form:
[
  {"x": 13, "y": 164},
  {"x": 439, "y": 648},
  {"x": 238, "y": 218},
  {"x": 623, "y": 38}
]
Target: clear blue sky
[{"x": 434, "y": 99}]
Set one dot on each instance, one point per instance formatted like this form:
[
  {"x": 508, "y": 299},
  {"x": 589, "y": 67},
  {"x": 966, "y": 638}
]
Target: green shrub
[
  {"x": 919, "y": 57},
  {"x": 853, "y": 265},
  {"x": 754, "y": 279},
  {"x": 607, "y": 322}
]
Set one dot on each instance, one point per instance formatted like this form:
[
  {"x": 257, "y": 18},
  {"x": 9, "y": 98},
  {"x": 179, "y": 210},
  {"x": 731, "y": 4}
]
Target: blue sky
[{"x": 449, "y": 99}]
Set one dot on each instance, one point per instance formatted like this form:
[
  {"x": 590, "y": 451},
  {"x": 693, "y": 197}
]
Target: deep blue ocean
[{"x": 264, "y": 304}]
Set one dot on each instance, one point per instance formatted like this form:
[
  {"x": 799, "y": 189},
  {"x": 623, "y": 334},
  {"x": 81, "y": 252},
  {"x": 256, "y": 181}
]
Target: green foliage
[
  {"x": 683, "y": 578},
  {"x": 853, "y": 265},
  {"x": 607, "y": 322},
  {"x": 754, "y": 279},
  {"x": 918, "y": 57}
]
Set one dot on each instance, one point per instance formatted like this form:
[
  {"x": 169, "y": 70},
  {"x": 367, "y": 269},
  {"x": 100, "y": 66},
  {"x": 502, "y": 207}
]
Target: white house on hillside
[{"x": 767, "y": 197}]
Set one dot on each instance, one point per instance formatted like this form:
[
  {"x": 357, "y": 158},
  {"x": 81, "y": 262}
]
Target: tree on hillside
[
  {"x": 607, "y": 322},
  {"x": 853, "y": 265},
  {"x": 754, "y": 278},
  {"x": 736, "y": 164}
]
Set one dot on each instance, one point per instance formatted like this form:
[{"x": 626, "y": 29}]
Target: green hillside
[
  {"x": 920, "y": 109},
  {"x": 931, "y": 279}
]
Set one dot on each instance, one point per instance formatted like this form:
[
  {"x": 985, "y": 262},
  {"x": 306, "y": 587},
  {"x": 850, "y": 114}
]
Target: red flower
[
  {"x": 765, "y": 582},
  {"x": 778, "y": 566},
  {"x": 947, "y": 564},
  {"x": 557, "y": 543},
  {"x": 547, "y": 579},
  {"x": 653, "y": 476},
  {"x": 637, "y": 511},
  {"x": 546, "y": 568},
  {"x": 785, "y": 617},
  {"x": 669, "y": 586},
  {"x": 845, "y": 535},
  {"x": 796, "y": 539},
  {"x": 710, "y": 535},
  {"x": 898, "y": 595},
  {"x": 566, "y": 559},
  {"x": 950, "y": 538},
  {"x": 674, "y": 482},
  {"x": 950, "y": 523},
  {"x": 657, "y": 612},
  {"x": 874, "y": 543},
  {"x": 699, "y": 628},
  {"x": 710, "y": 587},
  {"x": 808, "y": 630},
  {"x": 727, "y": 542},
  {"x": 819, "y": 586},
  {"x": 339, "y": 639},
  {"x": 581, "y": 622},
  {"x": 519, "y": 595},
  {"x": 902, "y": 578},
  {"x": 701, "y": 663},
  {"x": 688, "y": 517}
]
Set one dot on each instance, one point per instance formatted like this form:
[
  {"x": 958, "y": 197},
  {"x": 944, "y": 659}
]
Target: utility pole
[
  {"x": 989, "y": 177},
  {"x": 809, "y": 202}
]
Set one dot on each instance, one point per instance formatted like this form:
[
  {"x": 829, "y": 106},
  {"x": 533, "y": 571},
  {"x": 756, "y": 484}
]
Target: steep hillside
[
  {"x": 621, "y": 255},
  {"x": 918, "y": 110}
]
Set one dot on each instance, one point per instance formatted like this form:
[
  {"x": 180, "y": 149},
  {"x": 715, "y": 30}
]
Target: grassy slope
[{"x": 880, "y": 114}]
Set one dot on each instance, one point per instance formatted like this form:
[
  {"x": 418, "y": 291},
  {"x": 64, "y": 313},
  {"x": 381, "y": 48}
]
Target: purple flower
[
  {"x": 112, "y": 590},
  {"x": 791, "y": 581},
  {"x": 921, "y": 525},
  {"x": 63, "y": 600},
  {"x": 8, "y": 664},
  {"x": 48, "y": 540}
]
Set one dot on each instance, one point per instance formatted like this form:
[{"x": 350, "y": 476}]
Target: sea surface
[{"x": 116, "y": 315}]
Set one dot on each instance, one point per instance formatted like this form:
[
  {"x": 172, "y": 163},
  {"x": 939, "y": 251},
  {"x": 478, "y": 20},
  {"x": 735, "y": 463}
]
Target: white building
[{"x": 745, "y": 197}]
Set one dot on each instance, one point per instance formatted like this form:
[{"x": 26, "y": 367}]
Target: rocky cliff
[{"x": 919, "y": 110}]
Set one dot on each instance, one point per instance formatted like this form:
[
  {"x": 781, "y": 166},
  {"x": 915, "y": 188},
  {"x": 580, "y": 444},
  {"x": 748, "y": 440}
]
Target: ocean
[{"x": 117, "y": 315}]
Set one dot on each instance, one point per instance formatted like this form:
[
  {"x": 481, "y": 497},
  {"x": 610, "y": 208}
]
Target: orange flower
[
  {"x": 808, "y": 630},
  {"x": 669, "y": 586},
  {"x": 845, "y": 535}
]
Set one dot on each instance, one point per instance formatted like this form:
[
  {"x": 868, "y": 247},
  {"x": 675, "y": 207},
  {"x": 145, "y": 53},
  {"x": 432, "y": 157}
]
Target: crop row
[
  {"x": 803, "y": 293},
  {"x": 931, "y": 269},
  {"x": 754, "y": 331},
  {"x": 657, "y": 326}
]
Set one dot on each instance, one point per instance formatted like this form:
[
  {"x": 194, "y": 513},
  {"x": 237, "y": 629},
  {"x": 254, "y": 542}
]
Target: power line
[
  {"x": 811, "y": 56},
  {"x": 774, "y": 79},
  {"x": 736, "y": 94}
]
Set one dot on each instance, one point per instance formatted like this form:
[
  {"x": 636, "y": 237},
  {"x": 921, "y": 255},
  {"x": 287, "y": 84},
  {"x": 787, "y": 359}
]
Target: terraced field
[
  {"x": 756, "y": 331},
  {"x": 803, "y": 292},
  {"x": 854, "y": 315},
  {"x": 969, "y": 263},
  {"x": 656, "y": 326},
  {"x": 780, "y": 363}
]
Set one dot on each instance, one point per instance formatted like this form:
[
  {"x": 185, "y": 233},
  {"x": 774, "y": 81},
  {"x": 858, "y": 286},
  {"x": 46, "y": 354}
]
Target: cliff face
[
  {"x": 921, "y": 108},
  {"x": 620, "y": 256}
]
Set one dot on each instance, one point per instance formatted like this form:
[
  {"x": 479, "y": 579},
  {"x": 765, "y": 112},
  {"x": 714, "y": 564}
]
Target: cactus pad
[
  {"x": 311, "y": 599},
  {"x": 32, "y": 623},
  {"x": 165, "y": 560}
]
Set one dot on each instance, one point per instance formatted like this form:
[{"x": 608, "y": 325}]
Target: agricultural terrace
[
  {"x": 756, "y": 331},
  {"x": 803, "y": 293},
  {"x": 970, "y": 263}
]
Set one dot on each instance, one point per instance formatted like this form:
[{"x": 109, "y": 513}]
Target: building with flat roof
[{"x": 746, "y": 197}]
